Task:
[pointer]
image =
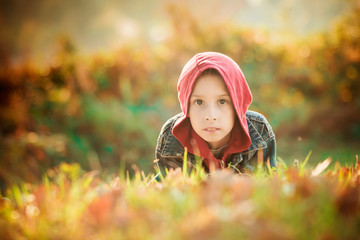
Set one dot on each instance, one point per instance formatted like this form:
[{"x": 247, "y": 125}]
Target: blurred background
[{"x": 92, "y": 81}]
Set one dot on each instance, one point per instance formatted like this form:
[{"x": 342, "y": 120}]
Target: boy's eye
[
  {"x": 222, "y": 101},
  {"x": 198, "y": 102}
]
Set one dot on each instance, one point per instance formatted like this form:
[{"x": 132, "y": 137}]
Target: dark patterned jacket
[{"x": 170, "y": 152}]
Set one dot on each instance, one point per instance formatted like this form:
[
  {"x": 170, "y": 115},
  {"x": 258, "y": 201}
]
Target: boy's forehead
[
  {"x": 215, "y": 93},
  {"x": 216, "y": 79},
  {"x": 206, "y": 91},
  {"x": 210, "y": 84}
]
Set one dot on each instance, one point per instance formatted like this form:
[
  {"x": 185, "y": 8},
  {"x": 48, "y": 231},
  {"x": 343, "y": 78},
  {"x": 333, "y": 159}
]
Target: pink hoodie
[{"x": 240, "y": 95}]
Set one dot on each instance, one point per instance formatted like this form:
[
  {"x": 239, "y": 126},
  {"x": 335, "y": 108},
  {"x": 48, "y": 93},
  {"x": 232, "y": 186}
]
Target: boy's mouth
[{"x": 211, "y": 129}]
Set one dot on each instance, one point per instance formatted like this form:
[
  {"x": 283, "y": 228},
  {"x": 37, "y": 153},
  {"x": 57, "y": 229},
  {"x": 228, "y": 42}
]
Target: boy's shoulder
[
  {"x": 259, "y": 123},
  {"x": 169, "y": 124},
  {"x": 255, "y": 116},
  {"x": 167, "y": 144}
]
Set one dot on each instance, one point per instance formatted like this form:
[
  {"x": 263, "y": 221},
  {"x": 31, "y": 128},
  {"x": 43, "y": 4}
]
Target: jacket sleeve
[
  {"x": 270, "y": 151},
  {"x": 166, "y": 162},
  {"x": 160, "y": 161}
]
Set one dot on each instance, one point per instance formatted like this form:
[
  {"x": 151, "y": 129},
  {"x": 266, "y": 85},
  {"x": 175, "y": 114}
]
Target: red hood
[{"x": 240, "y": 95}]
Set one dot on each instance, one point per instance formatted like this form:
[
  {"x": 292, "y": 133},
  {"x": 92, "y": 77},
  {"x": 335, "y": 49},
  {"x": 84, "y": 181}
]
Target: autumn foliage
[{"x": 289, "y": 203}]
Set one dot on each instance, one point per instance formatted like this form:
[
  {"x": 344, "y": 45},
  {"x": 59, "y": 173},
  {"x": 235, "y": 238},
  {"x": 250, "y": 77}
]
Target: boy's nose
[
  {"x": 210, "y": 118},
  {"x": 211, "y": 115}
]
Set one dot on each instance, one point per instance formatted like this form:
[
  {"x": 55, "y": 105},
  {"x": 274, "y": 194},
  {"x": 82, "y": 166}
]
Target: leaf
[
  {"x": 101, "y": 209},
  {"x": 321, "y": 167}
]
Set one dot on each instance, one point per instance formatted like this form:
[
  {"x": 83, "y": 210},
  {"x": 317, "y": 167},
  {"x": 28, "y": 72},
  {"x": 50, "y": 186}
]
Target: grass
[
  {"x": 298, "y": 148},
  {"x": 292, "y": 202}
]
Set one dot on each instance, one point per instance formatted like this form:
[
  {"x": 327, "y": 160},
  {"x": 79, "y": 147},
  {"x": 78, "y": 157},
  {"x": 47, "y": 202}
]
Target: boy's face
[{"x": 211, "y": 112}]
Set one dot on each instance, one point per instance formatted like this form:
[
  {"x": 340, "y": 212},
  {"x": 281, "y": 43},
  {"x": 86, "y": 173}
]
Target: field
[
  {"x": 293, "y": 202},
  {"x": 84, "y": 94}
]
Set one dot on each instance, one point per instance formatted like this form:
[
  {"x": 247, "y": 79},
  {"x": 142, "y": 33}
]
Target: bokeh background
[{"x": 92, "y": 81}]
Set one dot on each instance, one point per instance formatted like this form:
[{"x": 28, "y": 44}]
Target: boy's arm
[
  {"x": 270, "y": 151},
  {"x": 166, "y": 162},
  {"x": 169, "y": 160},
  {"x": 160, "y": 162}
]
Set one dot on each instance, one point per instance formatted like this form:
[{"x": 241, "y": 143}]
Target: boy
[{"x": 215, "y": 123}]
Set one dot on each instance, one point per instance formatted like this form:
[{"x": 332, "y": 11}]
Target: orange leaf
[{"x": 321, "y": 167}]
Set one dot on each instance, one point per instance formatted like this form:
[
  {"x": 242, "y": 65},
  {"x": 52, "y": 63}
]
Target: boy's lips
[{"x": 211, "y": 129}]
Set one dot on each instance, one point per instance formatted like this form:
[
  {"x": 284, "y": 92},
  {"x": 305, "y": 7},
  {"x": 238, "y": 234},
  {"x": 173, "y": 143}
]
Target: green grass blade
[
  {"x": 303, "y": 164},
  {"x": 185, "y": 164}
]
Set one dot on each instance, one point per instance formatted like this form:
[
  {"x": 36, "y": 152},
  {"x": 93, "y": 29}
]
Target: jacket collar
[{"x": 257, "y": 142}]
